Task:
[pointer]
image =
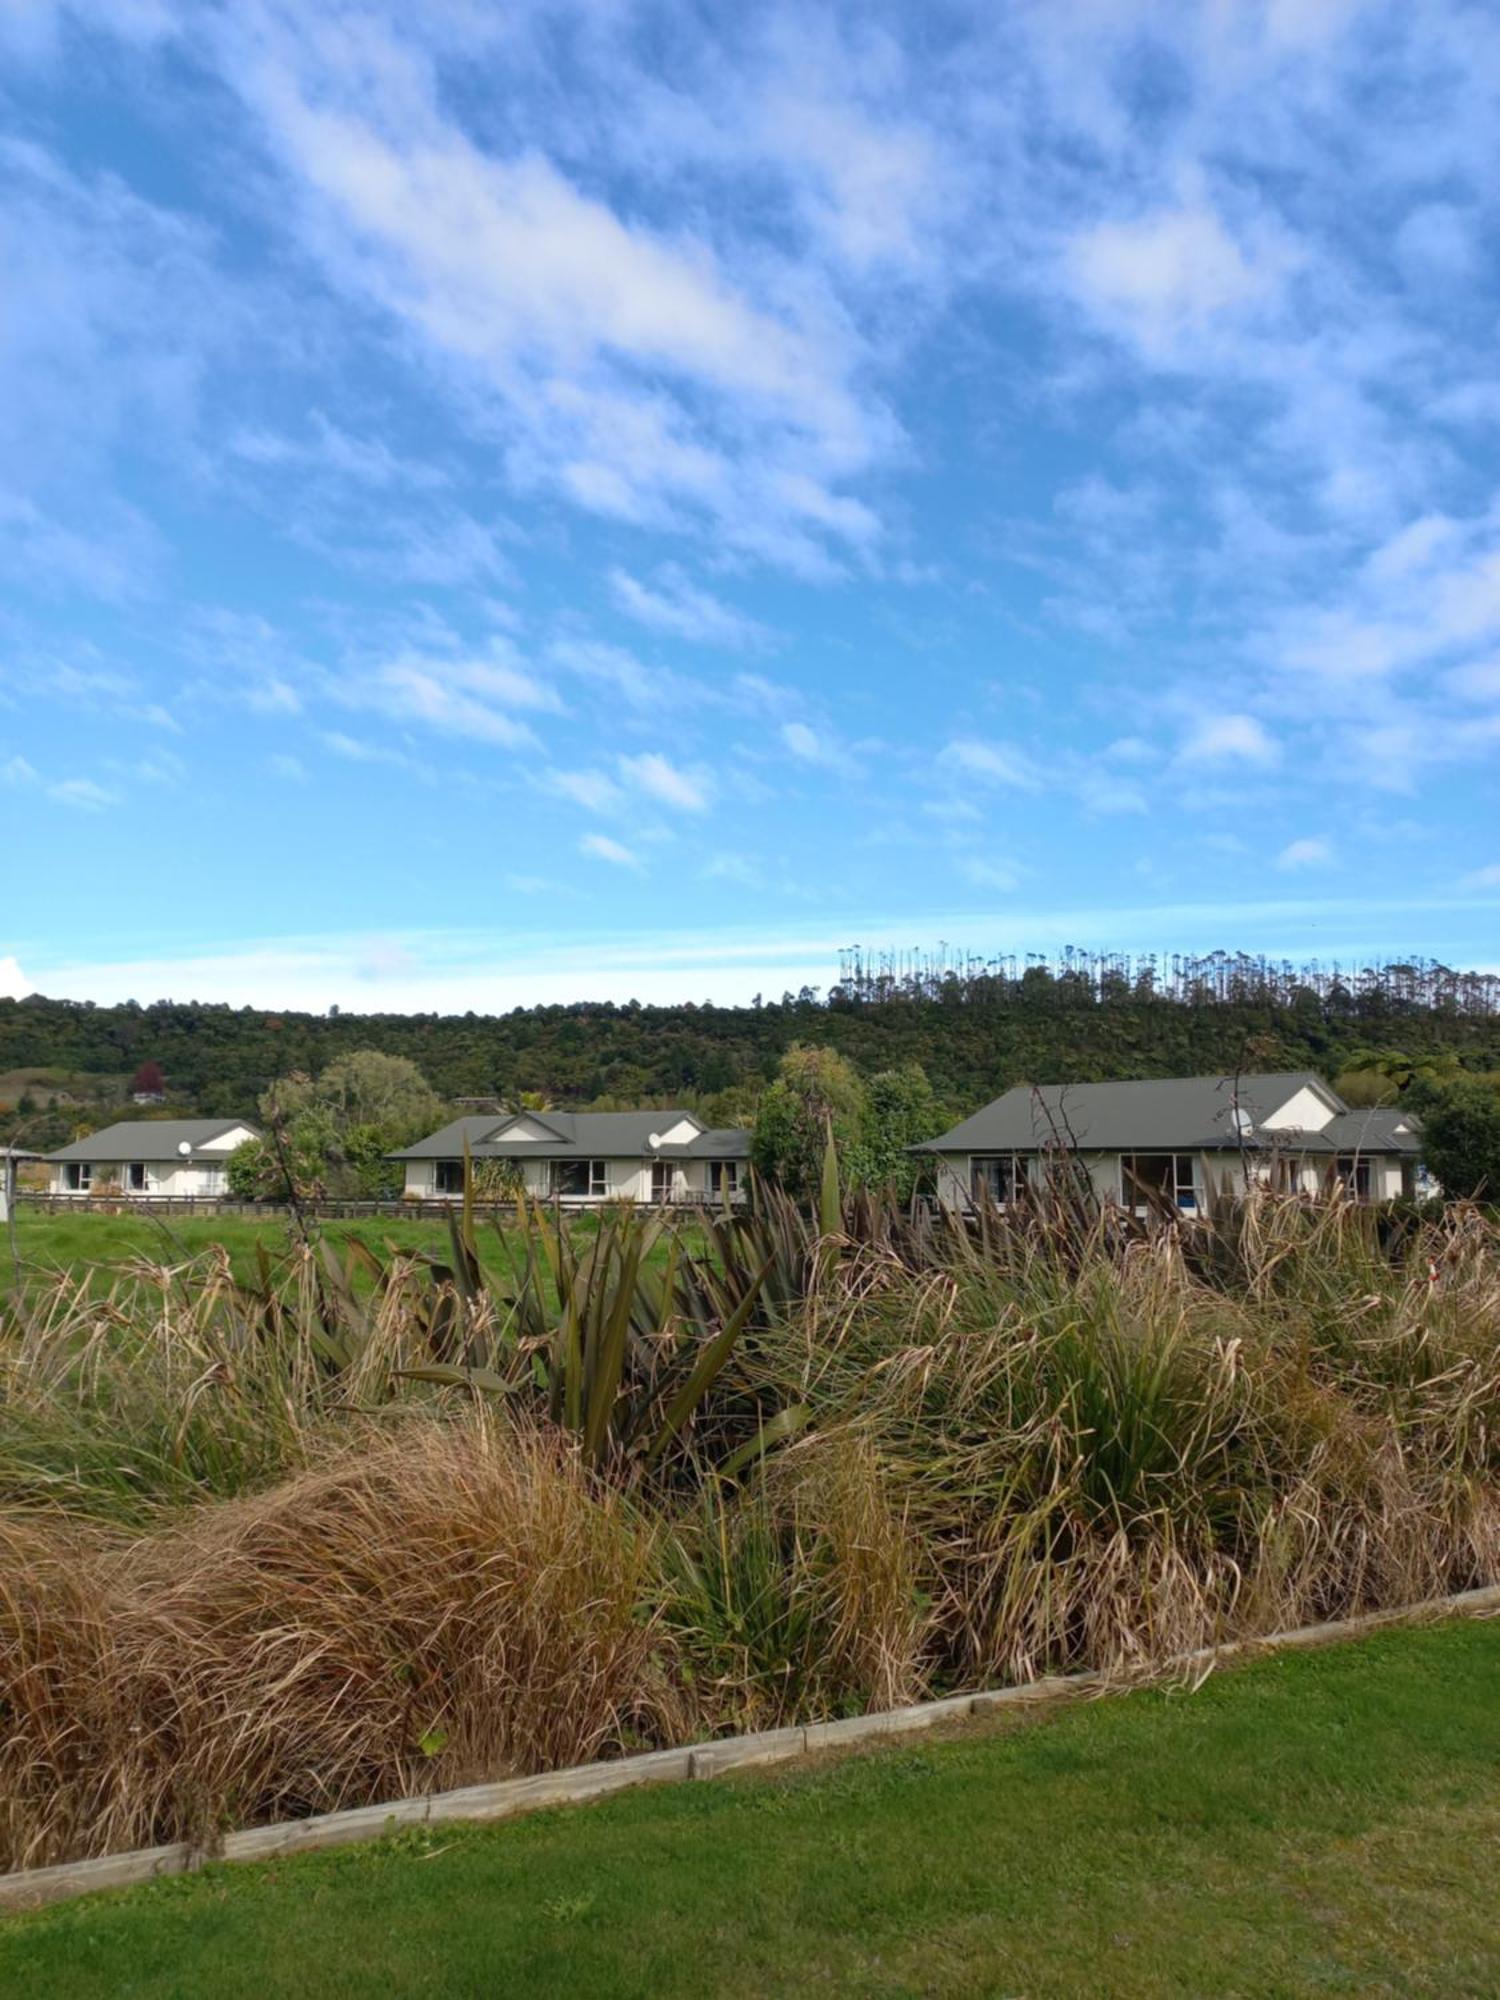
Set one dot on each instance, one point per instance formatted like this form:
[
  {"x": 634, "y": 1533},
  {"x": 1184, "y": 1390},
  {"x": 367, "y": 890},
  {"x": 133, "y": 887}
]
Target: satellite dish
[
  {"x": 1243, "y": 1122},
  {"x": 655, "y": 1138},
  {"x": 184, "y": 1147}
]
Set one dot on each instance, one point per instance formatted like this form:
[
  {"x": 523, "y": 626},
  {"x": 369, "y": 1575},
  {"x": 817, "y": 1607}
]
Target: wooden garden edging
[{"x": 29, "y": 1888}]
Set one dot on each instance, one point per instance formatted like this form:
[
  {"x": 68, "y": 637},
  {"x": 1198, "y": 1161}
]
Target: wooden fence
[{"x": 215, "y": 1204}]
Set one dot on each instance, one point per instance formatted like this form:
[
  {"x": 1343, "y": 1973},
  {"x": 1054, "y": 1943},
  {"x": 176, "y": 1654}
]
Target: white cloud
[
  {"x": 83, "y": 794},
  {"x": 599, "y": 847},
  {"x": 1307, "y": 853},
  {"x": 994, "y": 763},
  {"x": 818, "y": 746},
  {"x": 449, "y": 972},
  {"x": 595, "y": 791},
  {"x": 616, "y": 667},
  {"x": 292, "y": 769},
  {"x": 16, "y": 771},
  {"x": 1229, "y": 739},
  {"x": 676, "y": 605},
  {"x": 355, "y": 750},
  {"x": 661, "y": 780},
  {"x": 1483, "y": 878},
  {"x": 641, "y": 376},
  {"x": 475, "y": 698},
  {"x": 1164, "y": 278},
  {"x": 986, "y": 873}
]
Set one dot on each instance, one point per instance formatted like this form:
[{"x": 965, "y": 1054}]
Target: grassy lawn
[
  {"x": 50, "y": 1242},
  {"x": 1324, "y": 1823}
]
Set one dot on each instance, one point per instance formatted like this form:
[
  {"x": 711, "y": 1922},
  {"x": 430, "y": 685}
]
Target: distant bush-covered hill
[{"x": 976, "y": 1029}]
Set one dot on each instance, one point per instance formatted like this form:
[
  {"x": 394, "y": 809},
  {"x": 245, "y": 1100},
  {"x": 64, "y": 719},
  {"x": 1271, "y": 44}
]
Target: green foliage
[
  {"x": 331, "y": 1136},
  {"x": 1461, "y": 1136},
  {"x": 901, "y": 1109},
  {"x": 817, "y": 1098},
  {"x": 299, "y": 1159},
  {"x": 367, "y": 1088},
  {"x": 623, "y": 1349}
]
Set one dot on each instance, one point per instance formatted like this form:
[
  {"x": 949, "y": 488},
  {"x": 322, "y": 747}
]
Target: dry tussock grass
[{"x": 425, "y": 1611}]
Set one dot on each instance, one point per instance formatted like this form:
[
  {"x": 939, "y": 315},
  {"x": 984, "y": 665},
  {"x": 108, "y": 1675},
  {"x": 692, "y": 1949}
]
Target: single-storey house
[
  {"x": 151, "y": 1158},
  {"x": 584, "y": 1157},
  {"x": 1180, "y": 1138}
]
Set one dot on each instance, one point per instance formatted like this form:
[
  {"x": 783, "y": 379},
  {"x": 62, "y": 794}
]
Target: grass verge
[
  {"x": 1316, "y": 1823},
  {"x": 54, "y": 1240}
]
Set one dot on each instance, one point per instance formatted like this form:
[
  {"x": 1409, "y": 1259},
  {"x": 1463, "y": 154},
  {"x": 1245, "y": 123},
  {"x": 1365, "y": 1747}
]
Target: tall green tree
[
  {"x": 901, "y": 1109},
  {"x": 331, "y": 1134},
  {"x": 1461, "y": 1136},
  {"x": 816, "y": 1096},
  {"x": 367, "y": 1087}
]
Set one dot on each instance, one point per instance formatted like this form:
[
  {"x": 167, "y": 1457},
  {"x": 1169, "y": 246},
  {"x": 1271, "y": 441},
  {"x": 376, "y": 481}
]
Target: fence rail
[{"x": 349, "y": 1211}]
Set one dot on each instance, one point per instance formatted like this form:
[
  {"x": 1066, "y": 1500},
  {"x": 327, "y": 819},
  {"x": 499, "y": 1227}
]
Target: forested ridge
[{"x": 974, "y": 1029}]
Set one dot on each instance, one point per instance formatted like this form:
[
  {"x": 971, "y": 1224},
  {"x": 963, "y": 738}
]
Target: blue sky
[{"x": 562, "y": 501}]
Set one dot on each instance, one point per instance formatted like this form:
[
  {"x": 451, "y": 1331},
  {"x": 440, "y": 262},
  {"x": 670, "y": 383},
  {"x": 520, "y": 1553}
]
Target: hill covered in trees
[{"x": 974, "y": 1027}]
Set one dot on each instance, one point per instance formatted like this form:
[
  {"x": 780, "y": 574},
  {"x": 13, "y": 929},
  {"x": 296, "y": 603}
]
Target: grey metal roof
[
  {"x": 578, "y": 1135},
  {"x": 150, "y": 1139},
  {"x": 1379, "y": 1129},
  {"x": 1187, "y": 1113}
]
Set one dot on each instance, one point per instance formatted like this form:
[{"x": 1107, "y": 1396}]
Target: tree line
[{"x": 974, "y": 1035}]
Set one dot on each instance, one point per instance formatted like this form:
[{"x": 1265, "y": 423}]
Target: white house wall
[
  {"x": 625, "y": 1179},
  {"x": 1305, "y": 1111},
  {"x": 1216, "y": 1172},
  {"x": 164, "y": 1180}
]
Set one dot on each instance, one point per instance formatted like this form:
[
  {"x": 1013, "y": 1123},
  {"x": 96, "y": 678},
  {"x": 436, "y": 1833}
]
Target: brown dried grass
[{"x": 446, "y": 1606}]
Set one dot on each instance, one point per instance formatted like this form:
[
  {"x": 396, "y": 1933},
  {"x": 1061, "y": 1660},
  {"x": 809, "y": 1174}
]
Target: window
[
  {"x": 78, "y": 1176},
  {"x": 211, "y": 1178},
  {"x": 580, "y": 1180},
  {"x": 723, "y": 1177},
  {"x": 1353, "y": 1170},
  {"x": 998, "y": 1178},
  {"x": 663, "y": 1178},
  {"x": 1147, "y": 1178},
  {"x": 135, "y": 1177},
  {"x": 448, "y": 1176}
]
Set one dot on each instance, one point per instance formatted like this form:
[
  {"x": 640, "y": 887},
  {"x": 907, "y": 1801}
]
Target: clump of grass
[
  {"x": 427, "y": 1610},
  {"x": 799, "y": 1596}
]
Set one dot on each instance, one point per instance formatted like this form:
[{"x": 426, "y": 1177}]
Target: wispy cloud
[
  {"x": 662, "y": 780},
  {"x": 83, "y": 794},
  {"x": 992, "y": 763},
  {"x": 1229, "y": 739},
  {"x": 483, "y": 699},
  {"x": 673, "y": 603},
  {"x": 812, "y": 746},
  {"x": 601, "y": 847},
  {"x": 1309, "y": 852}
]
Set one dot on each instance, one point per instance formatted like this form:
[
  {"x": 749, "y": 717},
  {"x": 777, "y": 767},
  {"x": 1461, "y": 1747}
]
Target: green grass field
[
  {"x": 1319, "y": 1823},
  {"x": 66, "y": 1241}
]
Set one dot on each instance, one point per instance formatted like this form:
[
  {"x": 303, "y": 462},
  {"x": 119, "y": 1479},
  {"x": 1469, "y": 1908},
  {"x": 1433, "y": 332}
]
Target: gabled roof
[
  {"x": 1187, "y": 1113},
  {"x": 1378, "y": 1129},
  {"x": 152, "y": 1139},
  {"x": 575, "y": 1135}
]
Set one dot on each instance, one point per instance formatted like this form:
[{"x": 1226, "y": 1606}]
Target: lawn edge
[{"x": 30, "y": 1889}]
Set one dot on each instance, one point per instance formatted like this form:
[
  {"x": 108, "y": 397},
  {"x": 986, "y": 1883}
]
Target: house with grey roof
[
  {"x": 582, "y": 1158},
  {"x": 150, "y": 1159},
  {"x": 1179, "y": 1139}
]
